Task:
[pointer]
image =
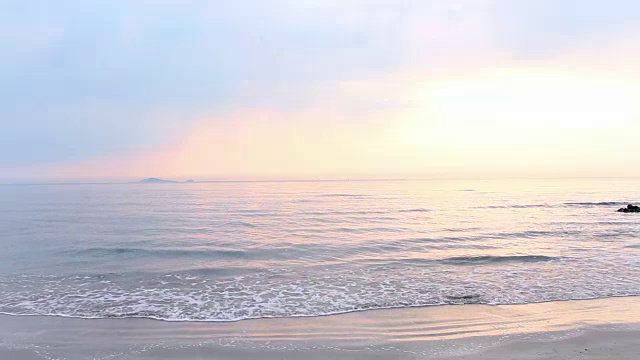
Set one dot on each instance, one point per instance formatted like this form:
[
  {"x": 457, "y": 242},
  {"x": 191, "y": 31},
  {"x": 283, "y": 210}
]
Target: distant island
[{"x": 153, "y": 180}]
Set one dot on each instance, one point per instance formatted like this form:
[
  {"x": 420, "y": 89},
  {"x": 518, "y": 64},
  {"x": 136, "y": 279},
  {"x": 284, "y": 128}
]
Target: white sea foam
[{"x": 291, "y": 294}]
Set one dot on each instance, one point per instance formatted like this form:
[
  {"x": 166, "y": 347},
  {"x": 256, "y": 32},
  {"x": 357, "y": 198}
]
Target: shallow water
[{"x": 231, "y": 251}]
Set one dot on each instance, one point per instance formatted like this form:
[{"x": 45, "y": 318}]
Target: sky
[{"x": 308, "y": 89}]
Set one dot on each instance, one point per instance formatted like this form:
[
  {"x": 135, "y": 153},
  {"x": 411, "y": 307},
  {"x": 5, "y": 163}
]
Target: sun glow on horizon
[
  {"x": 525, "y": 121},
  {"x": 497, "y": 105},
  {"x": 496, "y": 121}
]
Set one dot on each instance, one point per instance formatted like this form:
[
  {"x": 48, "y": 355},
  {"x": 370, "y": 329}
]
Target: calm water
[{"x": 230, "y": 251}]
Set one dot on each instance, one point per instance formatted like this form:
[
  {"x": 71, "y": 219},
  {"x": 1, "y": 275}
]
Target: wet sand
[{"x": 587, "y": 329}]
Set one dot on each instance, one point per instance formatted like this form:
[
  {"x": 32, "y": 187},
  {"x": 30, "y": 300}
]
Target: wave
[
  {"x": 602, "y": 203},
  {"x": 241, "y": 224},
  {"x": 461, "y": 300},
  {"x": 106, "y": 251},
  {"x": 283, "y": 293},
  {"x": 565, "y": 204},
  {"x": 473, "y": 239},
  {"x": 344, "y": 195},
  {"x": 514, "y": 206},
  {"x": 528, "y": 234},
  {"x": 346, "y": 212},
  {"x": 465, "y": 260},
  {"x": 462, "y": 260},
  {"x": 414, "y": 210}
]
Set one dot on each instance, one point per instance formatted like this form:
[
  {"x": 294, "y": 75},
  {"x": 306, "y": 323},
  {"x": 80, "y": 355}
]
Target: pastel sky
[{"x": 318, "y": 89}]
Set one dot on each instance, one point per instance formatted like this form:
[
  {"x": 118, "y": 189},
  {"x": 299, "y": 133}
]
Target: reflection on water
[{"x": 228, "y": 251}]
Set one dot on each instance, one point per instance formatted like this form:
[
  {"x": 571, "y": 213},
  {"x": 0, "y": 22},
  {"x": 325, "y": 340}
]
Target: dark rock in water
[
  {"x": 157, "y": 181},
  {"x": 189, "y": 181},
  {"x": 463, "y": 297},
  {"x": 630, "y": 209}
]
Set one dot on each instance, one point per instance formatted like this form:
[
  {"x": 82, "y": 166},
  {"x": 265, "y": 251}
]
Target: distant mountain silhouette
[{"x": 153, "y": 180}]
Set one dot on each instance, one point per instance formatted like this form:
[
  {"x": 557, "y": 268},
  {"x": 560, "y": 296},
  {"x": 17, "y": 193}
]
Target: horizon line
[{"x": 309, "y": 180}]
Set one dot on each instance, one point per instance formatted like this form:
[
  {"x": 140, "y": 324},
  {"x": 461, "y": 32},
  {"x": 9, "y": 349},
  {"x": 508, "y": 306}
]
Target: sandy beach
[{"x": 587, "y": 329}]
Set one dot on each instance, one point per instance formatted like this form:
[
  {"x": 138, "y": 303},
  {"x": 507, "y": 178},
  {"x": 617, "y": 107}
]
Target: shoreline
[
  {"x": 432, "y": 332},
  {"x": 3, "y": 314}
]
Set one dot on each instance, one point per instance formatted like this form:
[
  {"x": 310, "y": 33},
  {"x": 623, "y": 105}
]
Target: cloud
[
  {"x": 85, "y": 80},
  {"x": 559, "y": 117},
  {"x": 537, "y": 29},
  {"x": 111, "y": 82}
]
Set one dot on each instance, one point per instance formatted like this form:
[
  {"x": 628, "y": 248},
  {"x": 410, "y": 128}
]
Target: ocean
[{"x": 228, "y": 251}]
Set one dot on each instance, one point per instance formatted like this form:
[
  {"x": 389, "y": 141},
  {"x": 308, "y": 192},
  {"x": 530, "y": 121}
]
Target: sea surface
[{"x": 226, "y": 251}]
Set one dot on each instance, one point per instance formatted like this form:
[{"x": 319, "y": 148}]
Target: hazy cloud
[{"x": 87, "y": 79}]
